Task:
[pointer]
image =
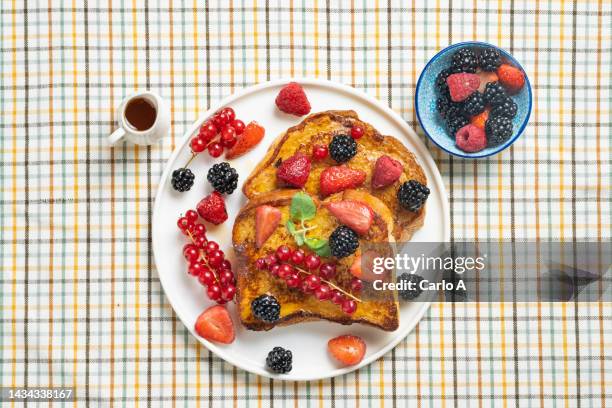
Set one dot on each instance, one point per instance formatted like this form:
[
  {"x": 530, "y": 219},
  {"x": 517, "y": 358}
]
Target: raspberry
[
  {"x": 462, "y": 85},
  {"x": 471, "y": 139},
  {"x": 292, "y": 99},
  {"x": 212, "y": 208}
]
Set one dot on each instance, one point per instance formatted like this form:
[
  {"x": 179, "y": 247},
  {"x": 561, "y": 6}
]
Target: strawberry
[
  {"x": 212, "y": 208},
  {"x": 215, "y": 324},
  {"x": 292, "y": 99},
  {"x": 386, "y": 171},
  {"x": 480, "y": 119},
  {"x": 347, "y": 349},
  {"x": 471, "y": 139},
  {"x": 485, "y": 78},
  {"x": 338, "y": 178},
  {"x": 354, "y": 214},
  {"x": 295, "y": 170},
  {"x": 511, "y": 78},
  {"x": 363, "y": 267},
  {"x": 267, "y": 219},
  {"x": 462, "y": 85},
  {"x": 249, "y": 138}
]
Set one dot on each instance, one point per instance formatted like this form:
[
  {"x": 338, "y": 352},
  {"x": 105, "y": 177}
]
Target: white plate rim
[{"x": 423, "y": 155}]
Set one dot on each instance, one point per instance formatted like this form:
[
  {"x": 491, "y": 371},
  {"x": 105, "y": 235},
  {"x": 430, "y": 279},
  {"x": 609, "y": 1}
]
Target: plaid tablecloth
[{"x": 80, "y": 301}]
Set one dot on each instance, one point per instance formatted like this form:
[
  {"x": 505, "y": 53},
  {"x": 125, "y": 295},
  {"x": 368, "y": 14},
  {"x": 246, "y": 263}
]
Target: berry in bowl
[{"x": 473, "y": 99}]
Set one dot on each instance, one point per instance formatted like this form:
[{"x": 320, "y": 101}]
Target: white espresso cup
[{"x": 143, "y": 119}]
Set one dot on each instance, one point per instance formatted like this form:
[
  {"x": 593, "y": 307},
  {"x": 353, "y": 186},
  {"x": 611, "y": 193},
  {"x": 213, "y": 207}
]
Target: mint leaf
[
  {"x": 297, "y": 235},
  {"x": 318, "y": 246},
  {"x": 302, "y": 207}
]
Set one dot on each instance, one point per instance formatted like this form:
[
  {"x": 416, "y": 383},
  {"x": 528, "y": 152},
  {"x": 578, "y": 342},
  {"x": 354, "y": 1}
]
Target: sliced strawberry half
[
  {"x": 295, "y": 170},
  {"x": 215, "y": 324},
  {"x": 338, "y": 178},
  {"x": 267, "y": 219},
  {"x": 248, "y": 139},
  {"x": 356, "y": 215},
  {"x": 347, "y": 349},
  {"x": 363, "y": 267}
]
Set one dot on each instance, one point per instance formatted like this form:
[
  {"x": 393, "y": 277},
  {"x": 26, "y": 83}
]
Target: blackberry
[
  {"x": 447, "y": 108},
  {"x": 412, "y": 195},
  {"x": 266, "y": 308},
  {"x": 494, "y": 93},
  {"x": 498, "y": 130},
  {"x": 223, "y": 178},
  {"x": 343, "y": 242},
  {"x": 406, "y": 293},
  {"x": 279, "y": 360},
  {"x": 465, "y": 60},
  {"x": 489, "y": 59},
  {"x": 182, "y": 179},
  {"x": 441, "y": 84},
  {"x": 342, "y": 148},
  {"x": 474, "y": 104},
  {"x": 455, "y": 122},
  {"x": 504, "y": 107}
]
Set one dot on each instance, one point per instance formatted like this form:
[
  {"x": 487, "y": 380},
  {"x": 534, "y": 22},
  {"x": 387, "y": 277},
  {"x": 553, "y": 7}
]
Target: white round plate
[{"x": 308, "y": 341}]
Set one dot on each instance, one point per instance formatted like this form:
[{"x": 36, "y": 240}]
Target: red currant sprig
[
  {"x": 206, "y": 261},
  {"x": 297, "y": 270}
]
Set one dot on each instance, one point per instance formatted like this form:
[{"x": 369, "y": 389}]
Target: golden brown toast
[
  {"x": 319, "y": 128},
  {"x": 296, "y": 306}
]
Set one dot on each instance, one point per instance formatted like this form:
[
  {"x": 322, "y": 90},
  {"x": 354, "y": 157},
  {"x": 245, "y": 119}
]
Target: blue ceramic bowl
[{"x": 433, "y": 124}]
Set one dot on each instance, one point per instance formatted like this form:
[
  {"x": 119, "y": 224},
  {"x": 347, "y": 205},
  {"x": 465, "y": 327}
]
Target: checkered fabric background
[{"x": 80, "y": 301}]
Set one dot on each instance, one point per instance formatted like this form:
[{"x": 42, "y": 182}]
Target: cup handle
[{"x": 116, "y": 136}]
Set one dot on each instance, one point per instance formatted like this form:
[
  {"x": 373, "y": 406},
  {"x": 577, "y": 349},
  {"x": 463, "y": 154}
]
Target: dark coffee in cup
[{"x": 140, "y": 114}]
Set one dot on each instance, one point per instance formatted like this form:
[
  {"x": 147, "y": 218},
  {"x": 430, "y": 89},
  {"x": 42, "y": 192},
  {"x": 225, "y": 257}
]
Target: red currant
[
  {"x": 191, "y": 253},
  {"x": 208, "y": 131},
  {"x": 228, "y": 137},
  {"x": 197, "y": 145},
  {"x": 206, "y": 277},
  {"x": 183, "y": 224},
  {"x": 293, "y": 281},
  {"x": 191, "y": 215},
  {"x": 195, "y": 269},
  {"x": 319, "y": 152},
  {"x": 211, "y": 247},
  {"x": 283, "y": 253},
  {"x": 285, "y": 271},
  {"x": 274, "y": 269},
  {"x": 198, "y": 229},
  {"x": 218, "y": 121},
  {"x": 337, "y": 297},
  {"x": 238, "y": 126},
  {"x": 297, "y": 257},
  {"x": 327, "y": 271},
  {"x": 222, "y": 118},
  {"x": 215, "y": 259},
  {"x": 226, "y": 265},
  {"x": 305, "y": 286},
  {"x": 200, "y": 241},
  {"x": 349, "y": 306},
  {"x": 261, "y": 264},
  {"x": 226, "y": 277},
  {"x": 323, "y": 292},
  {"x": 229, "y": 112},
  {"x": 356, "y": 132},
  {"x": 312, "y": 261},
  {"x": 356, "y": 285},
  {"x": 214, "y": 292},
  {"x": 228, "y": 292},
  {"x": 215, "y": 149},
  {"x": 314, "y": 282},
  {"x": 271, "y": 260}
]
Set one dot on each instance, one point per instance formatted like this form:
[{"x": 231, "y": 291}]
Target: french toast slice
[
  {"x": 319, "y": 128},
  {"x": 379, "y": 311}
]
